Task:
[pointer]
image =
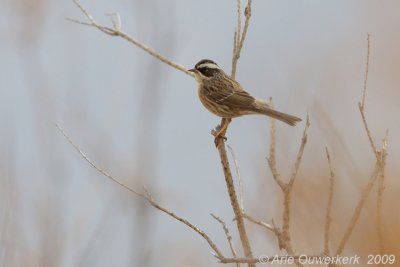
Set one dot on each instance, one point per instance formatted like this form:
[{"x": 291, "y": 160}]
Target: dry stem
[
  {"x": 328, "y": 218},
  {"x": 236, "y": 37},
  {"x": 272, "y": 150},
  {"x": 241, "y": 189},
  {"x": 228, "y": 236},
  {"x": 267, "y": 259},
  {"x": 283, "y": 235},
  {"x": 144, "y": 195},
  {"x": 357, "y": 210},
  {"x": 261, "y": 223},
  {"x": 381, "y": 188},
  {"x": 378, "y": 171},
  {"x": 380, "y": 155},
  {"x": 239, "y": 37},
  {"x": 234, "y": 203},
  {"x": 366, "y": 71},
  {"x": 219, "y": 141},
  {"x": 116, "y": 31}
]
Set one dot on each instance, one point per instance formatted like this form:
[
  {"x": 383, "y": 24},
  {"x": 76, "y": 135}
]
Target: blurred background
[{"x": 141, "y": 121}]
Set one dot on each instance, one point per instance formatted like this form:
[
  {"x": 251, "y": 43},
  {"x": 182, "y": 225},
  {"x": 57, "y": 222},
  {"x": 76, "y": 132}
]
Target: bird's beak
[{"x": 192, "y": 70}]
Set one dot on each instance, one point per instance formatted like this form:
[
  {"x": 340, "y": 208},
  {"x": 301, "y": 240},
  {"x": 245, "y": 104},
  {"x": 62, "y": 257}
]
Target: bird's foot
[
  {"x": 218, "y": 139},
  {"x": 219, "y": 134}
]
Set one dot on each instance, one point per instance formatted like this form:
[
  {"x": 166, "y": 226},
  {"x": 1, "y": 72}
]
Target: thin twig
[
  {"x": 258, "y": 222},
  {"x": 145, "y": 195},
  {"x": 357, "y": 210},
  {"x": 366, "y": 71},
  {"x": 328, "y": 218},
  {"x": 228, "y": 236},
  {"x": 371, "y": 141},
  {"x": 379, "y": 200},
  {"x": 284, "y": 237},
  {"x": 239, "y": 24},
  {"x": 263, "y": 259},
  {"x": 116, "y": 31},
  {"x": 380, "y": 155},
  {"x": 103, "y": 172},
  {"x": 361, "y": 105},
  {"x": 247, "y": 14},
  {"x": 272, "y": 150},
  {"x": 240, "y": 37},
  {"x": 249, "y": 261},
  {"x": 300, "y": 153},
  {"x": 241, "y": 189},
  {"x": 224, "y": 159},
  {"x": 236, "y": 38},
  {"x": 288, "y": 187}
]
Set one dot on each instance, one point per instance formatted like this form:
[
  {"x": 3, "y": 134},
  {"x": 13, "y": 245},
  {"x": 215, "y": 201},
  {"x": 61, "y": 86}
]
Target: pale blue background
[{"x": 141, "y": 121}]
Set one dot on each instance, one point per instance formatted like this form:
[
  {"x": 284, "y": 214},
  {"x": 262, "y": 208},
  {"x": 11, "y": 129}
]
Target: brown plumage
[{"x": 226, "y": 98}]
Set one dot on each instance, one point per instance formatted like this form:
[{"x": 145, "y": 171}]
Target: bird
[{"x": 226, "y": 98}]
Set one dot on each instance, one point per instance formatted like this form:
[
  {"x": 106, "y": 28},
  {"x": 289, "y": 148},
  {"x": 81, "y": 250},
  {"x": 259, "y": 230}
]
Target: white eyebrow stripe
[{"x": 209, "y": 65}]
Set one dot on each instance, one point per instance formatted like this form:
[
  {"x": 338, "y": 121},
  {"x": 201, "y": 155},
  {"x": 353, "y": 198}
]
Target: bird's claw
[
  {"x": 218, "y": 134},
  {"x": 220, "y": 131},
  {"x": 214, "y": 132},
  {"x": 218, "y": 138}
]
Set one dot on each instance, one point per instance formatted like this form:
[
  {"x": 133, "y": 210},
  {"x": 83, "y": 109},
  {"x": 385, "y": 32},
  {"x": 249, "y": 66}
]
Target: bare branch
[
  {"x": 251, "y": 261},
  {"x": 272, "y": 150},
  {"x": 361, "y": 105},
  {"x": 261, "y": 223},
  {"x": 247, "y": 14},
  {"x": 236, "y": 38},
  {"x": 240, "y": 37},
  {"x": 300, "y": 153},
  {"x": 219, "y": 142},
  {"x": 366, "y": 72},
  {"x": 228, "y": 236},
  {"x": 237, "y": 47},
  {"x": 364, "y": 120},
  {"x": 103, "y": 172},
  {"x": 117, "y": 32},
  {"x": 379, "y": 200},
  {"x": 380, "y": 155},
  {"x": 358, "y": 209},
  {"x": 145, "y": 195},
  {"x": 263, "y": 259},
  {"x": 328, "y": 218},
  {"x": 234, "y": 202},
  {"x": 239, "y": 25},
  {"x": 378, "y": 171},
  {"x": 241, "y": 193},
  {"x": 286, "y": 239},
  {"x": 116, "y": 20},
  {"x": 284, "y": 235}
]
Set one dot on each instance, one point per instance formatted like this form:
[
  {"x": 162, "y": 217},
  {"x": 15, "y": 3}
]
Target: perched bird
[{"x": 226, "y": 98}]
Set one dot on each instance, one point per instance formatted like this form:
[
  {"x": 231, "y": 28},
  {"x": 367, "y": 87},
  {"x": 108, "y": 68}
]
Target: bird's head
[{"x": 206, "y": 69}]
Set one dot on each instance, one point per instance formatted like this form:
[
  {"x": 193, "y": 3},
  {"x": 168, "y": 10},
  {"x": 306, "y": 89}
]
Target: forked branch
[
  {"x": 144, "y": 195},
  {"x": 219, "y": 141},
  {"x": 378, "y": 171},
  {"x": 283, "y": 235}
]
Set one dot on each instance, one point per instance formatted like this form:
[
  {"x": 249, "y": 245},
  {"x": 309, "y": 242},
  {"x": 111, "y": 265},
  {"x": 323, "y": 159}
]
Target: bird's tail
[{"x": 264, "y": 108}]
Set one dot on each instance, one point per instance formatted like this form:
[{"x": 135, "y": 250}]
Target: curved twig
[{"x": 116, "y": 31}]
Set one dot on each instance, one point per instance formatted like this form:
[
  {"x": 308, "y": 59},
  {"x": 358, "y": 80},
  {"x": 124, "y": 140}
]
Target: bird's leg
[{"x": 220, "y": 131}]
